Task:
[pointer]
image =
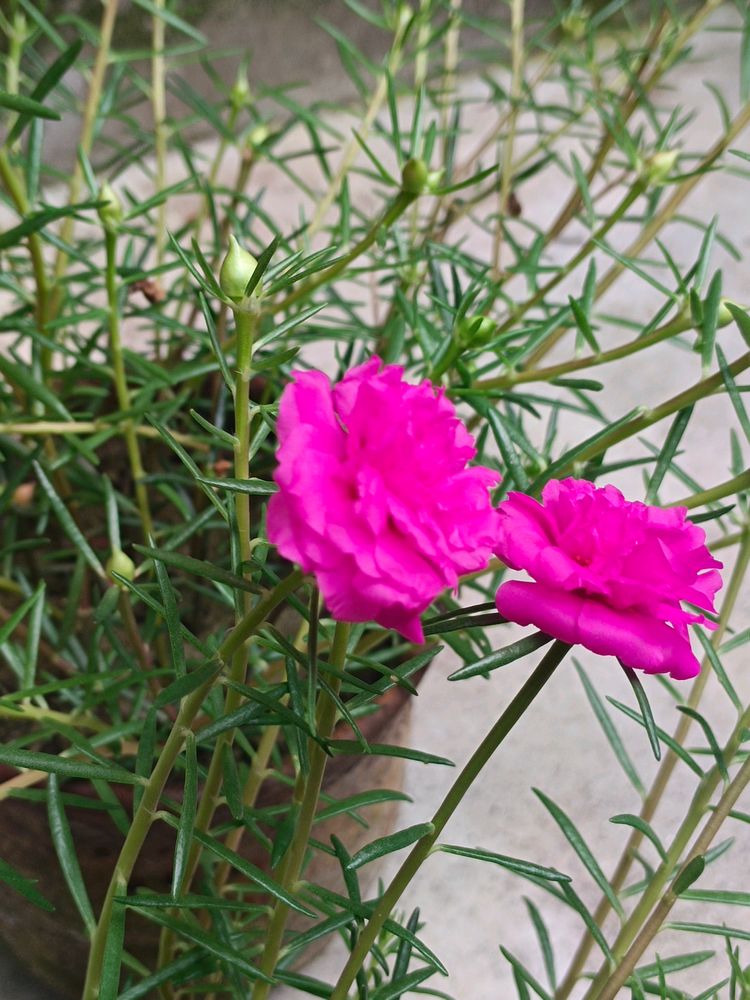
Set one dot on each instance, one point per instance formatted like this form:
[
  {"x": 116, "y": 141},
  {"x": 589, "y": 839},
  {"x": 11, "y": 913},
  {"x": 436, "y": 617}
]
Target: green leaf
[
  {"x": 522, "y": 973},
  {"x": 689, "y": 874},
  {"x": 209, "y": 942},
  {"x": 186, "y": 684},
  {"x": 25, "y": 106},
  {"x": 675, "y": 964},
  {"x": 186, "y": 967},
  {"x": 23, "y": 377},
  {"x": 733, "y": 393},
  {"x": 385, "y": 750},
  {"x": 501, "y": 657},
  {"x": 504, "y": 443},
  {"x": 168, "y": 17},
  {"x": 66, "y": 853},
  {"x": 668, "y": 452},
  {"x": 396, "y": 989},
  {"x": 198, "y": 567},
  {"x": 38, "y": 220},
  {"x": 640, "y": 824},
  {"x": 351, "y": 879},
  {"x": 545, "y": 942},
  {"x": 47, "y": 82},
  {"x": 171, "y": 619},
  {"x": 646, "y": 713},
  {"x": 232, "y": 785},
  {"x": 109, "y": 985},
  {"x": 516, "y": 865},
  {"x": 742, "y": 319},
  {"x": 665, "y": 738},
  {"x": 358, "y": 801},
  {"x": 613, "y": 737},
  {"x": 186, "y": 825},
  {"x": 37, "y": 761},
  {"x": 16, "y": 617},
  {"x": 246, "y": 868},
  {"x": 710, "y": 737},
  {"x": 580, "y": 847},
  {"x": 393, "y": 842},
  {"x": 739, "y": 934},
  {"x": 255, "y": 487},
  {"x": 67, "y": 523},
  {"x": 25, "y": 886}
]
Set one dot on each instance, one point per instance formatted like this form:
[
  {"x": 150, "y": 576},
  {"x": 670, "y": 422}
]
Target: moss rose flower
[
  {"x": 609, "y": 574},
  {"x": 375, "y": 498}
]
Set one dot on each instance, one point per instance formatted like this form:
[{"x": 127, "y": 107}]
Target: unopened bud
[
  {"x": 110, "y": 211},
  {"x": 240, "y": 94},
  {"x": 475, "y": 331},
  {"x": 237, "y": 269},
  {"x": 657, "y": 168},
  {"x": 121, "y": 564},
  {"x": 258, "y": 135},
  {"x": 574, "y": 25},
  {"x": 414, "y": 177},
  {"x": 725, "y": 317}
]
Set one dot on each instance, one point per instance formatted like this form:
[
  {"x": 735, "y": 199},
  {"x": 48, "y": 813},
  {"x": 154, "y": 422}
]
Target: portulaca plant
[{"x": 258, "y": 476}]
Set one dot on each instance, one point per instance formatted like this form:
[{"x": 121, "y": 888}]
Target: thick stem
[
  {"x": 664, "y": 773},
  {"x": 293, "y": 863},
  {"x": 154, "y": 787},
  {"x": 450, "y": 803}
]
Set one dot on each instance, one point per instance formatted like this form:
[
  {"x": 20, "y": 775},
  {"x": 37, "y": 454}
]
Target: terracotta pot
[{"x": 54, "y": 947}]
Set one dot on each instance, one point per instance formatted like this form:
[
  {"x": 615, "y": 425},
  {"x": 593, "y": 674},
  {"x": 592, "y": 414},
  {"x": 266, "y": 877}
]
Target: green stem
[
  {"x": 154, "y": 787},
  {"x": 293, "y": 863},
  {"x": 664, "y": 773},
  {"x": 397, "y": 207},
  {"x": 121, "y": 388},
  {"x": 90, "y": 112},
  {"x": 450, "y": 803},
  {"x": 728, "y": 488},
  {"x": 506, "y": 173},
  {"x": 159, "y": 113},
  {"x": 645, "y": 419},
  {"x": 617, "y": 980},
  {"x": 665, "y": 332}
]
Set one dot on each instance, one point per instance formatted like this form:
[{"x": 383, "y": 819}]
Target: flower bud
[
  {"x": 121, "y": 564},
  {"x": 573, "y": 25},
  {"x": 657, "y": 168},
  {"x": 110, "y": 212},
  {"x": 236, "y": 271},
  {"x": 414, "y": 177},
  {"x": 725, "y": 317},
  {"x": 258, "y": 135},
  {"x": 475, "y": 331},
  {"x": 240, "y": 94}
]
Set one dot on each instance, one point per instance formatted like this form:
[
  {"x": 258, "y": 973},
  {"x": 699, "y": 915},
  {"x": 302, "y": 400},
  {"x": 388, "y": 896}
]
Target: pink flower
[
  {"x": 610, "y": 574},
  {"x": 375, "y": 498}
]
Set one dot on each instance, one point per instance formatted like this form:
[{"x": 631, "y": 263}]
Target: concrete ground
[{"x": 469, "y": 909}]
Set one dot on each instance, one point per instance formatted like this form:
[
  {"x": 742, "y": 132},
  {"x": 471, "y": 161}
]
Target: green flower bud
[
  {"x": 236, "y": 270},
  {"x": 121, "y": 564},
  {"x": 573, "y": 25},
  {"x": 414, "y": 177},
  {"x": 240, "y": 94},
  {"x": 475, "y": 331},
  {"x": 257, "y": 136},
  {"x": 110, "y": 212},
  {"x": 657, "y": 168}
]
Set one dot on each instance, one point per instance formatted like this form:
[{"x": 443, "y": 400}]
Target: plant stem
[
  {"x": 506, "y": 173},
  {"x": 665, "y": 332},
  {"x": 90, "y": 113},
  {"x": 664, "y": 773},
  {"x": 450, "y": 803},
  {"x": 726, "y": 489},
  {"x": 393, "y": 61},
  {"x": 645, "y": 419},
  {"x": 145, "y": 814},
  {"x": 295, "y": 857},
  {"x": 159, "y": 113},
  {"x": 397, "y": 207},
  {"x": 121, "y": 388},
  {"x": 617, "y": 979}
]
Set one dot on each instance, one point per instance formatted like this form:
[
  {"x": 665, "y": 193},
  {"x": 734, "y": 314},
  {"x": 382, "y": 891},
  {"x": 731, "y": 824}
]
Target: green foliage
[{"x": 161, "y": 666}]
